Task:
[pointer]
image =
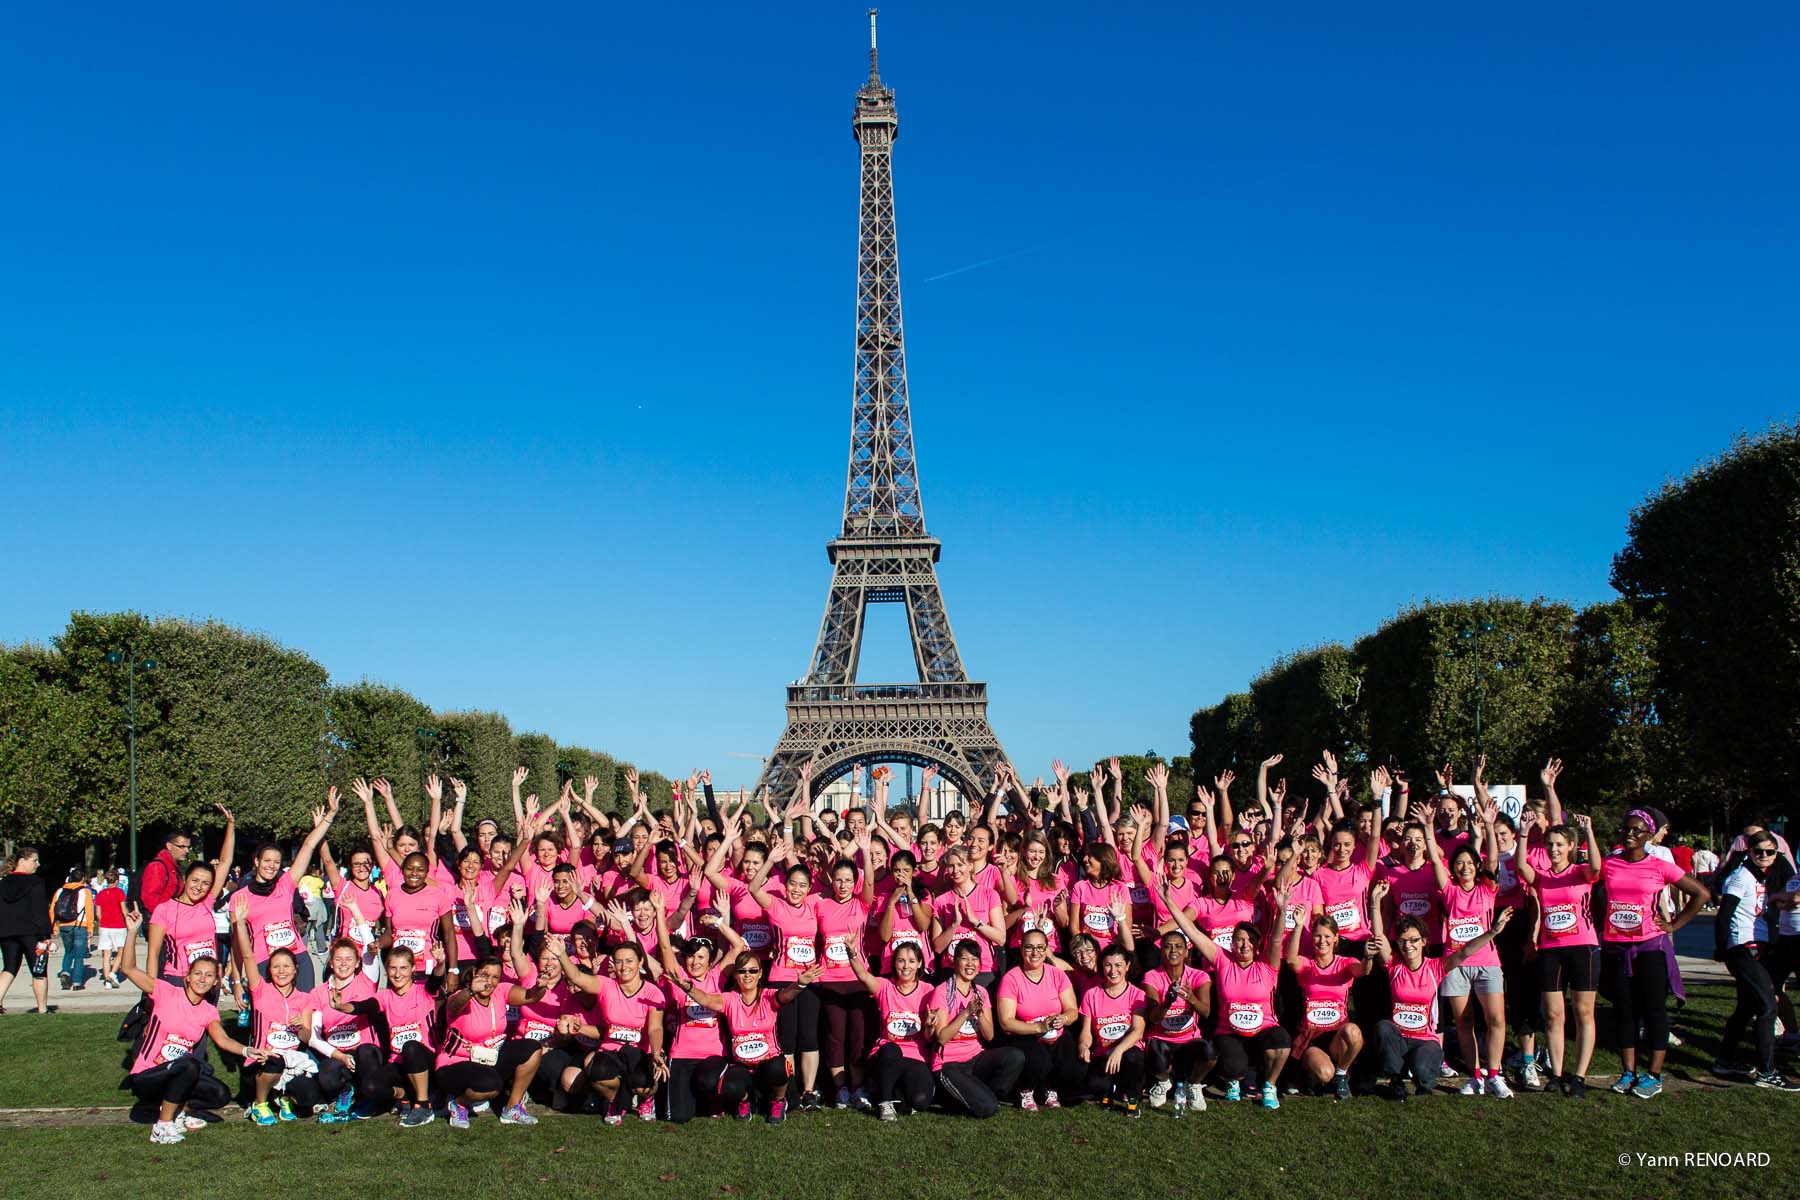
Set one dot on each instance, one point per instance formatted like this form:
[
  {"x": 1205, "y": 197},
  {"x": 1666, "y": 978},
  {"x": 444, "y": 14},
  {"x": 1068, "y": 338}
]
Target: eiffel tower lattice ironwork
[{"x": 883, "y": 554}]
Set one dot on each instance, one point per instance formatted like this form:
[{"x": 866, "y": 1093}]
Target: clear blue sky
[{"x": 506, "y": 357}]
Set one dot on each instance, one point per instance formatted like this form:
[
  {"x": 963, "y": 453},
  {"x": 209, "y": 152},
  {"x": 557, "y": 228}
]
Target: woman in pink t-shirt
[
  {"x": 1099, "y": 904},
  {"x": 967, "y": 910},
  {"x": 628, "y": 1026},
  {"x": 1328, "y": 1042},
  {"x": 1248, "y": 1040},
  {"x": 281, "y": 1023},
  {"x": 351, "y": 1065},
  {"x": 166, "y": 1070},
  {"x": 1037, "y": 886},
  {"x": 758, "y": 1068},
  {"x": 1408, "y": 1040},
  {"x": 959, "y": 1022},
  {"x": 1637, "y": 951},
  {"x": 359, "y": 904},
  {"x": 418, "y": 917},
  {"x": 843, "y": 915},
  {"x": 1179, "y": 998},
  {"x": 902, "y": 1057},
  {"x": 1568, "y": 948},
  {"x": 793, "y": 914},
  {"x": 1035, "y": 1008},
  {"x": 1467, "y": 894},
  {"x": 1112, "y": 1028},
  {"x": 697, "y": 1058},
  {"x": 182, "y": 929},
  {"x": 480, "y": 1060},
  {"x": 905, "y": 913}
]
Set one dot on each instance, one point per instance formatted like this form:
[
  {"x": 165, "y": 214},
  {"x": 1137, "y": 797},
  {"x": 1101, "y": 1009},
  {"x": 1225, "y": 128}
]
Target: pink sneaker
[
  {"x": 646, "y": 1109},
  {"x": 743, "y": 1112},
  {"x": 1027, "y": 1102},
  {"x": 614, "y": 1115},
  {"x": 1050, "y": 1100},
  {"x": 777, "y": 1112}
]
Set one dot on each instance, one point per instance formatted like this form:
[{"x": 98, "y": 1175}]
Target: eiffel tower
[{"x": 883, "y": 554}]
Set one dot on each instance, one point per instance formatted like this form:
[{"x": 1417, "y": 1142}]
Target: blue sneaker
[
  {"x": 417, "y": 1115},
  {"x": 1649, "y": 1087},
  {"x": 1625, "y": 1082},
  {"x": 1234, "y": 1091},
  {"x": 459, "y": 1115},
  {"x": 331, "y": 1116},
  {"x": 263, "y": 1113},
  {"x": 1269, "y": 1097},
  {"x": 345, "y": 1099},
  {"x": 284, "y": 1109},
  {"x": 361, "y": 1112}
]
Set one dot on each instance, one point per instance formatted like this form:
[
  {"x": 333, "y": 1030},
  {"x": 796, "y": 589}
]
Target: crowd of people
[{"x": 1055, "y": 947}]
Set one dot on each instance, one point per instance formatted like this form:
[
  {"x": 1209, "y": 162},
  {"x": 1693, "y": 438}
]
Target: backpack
[{"x": 68, "y": 906}]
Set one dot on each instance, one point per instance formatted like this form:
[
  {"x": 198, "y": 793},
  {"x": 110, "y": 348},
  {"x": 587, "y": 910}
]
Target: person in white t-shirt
[{"x": 1741, "y": 938}]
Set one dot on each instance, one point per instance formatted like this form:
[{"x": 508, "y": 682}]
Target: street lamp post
[{"x": 132, "y": 663}]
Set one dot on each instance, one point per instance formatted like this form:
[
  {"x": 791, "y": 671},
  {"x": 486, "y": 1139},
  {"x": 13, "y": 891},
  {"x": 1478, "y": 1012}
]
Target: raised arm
[
  {"x": 1552, "y": 803},
  {"x": 1377, "y": 894},
  {"x": 1209, "y": 949},
  {"x": 141, "y": 979},
  {"x": 322, "y": 819},
  {"x": 222, "y": 865},
  {"x": 386, "y": 791}
]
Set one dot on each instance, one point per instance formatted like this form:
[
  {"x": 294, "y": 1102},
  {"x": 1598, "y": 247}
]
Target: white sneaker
[
  {"x": 1159, "y": 1093},
  {"x": 1529, "y": 1078},
  {"x": 1446, "y": 1071},
  {"x": 1471, "y": 1088},
  {"x": 889, "y": 1111},
  {"x": 1496, "y": 1087},
  {"x": 1196, "y": 1093},
  {"x": 190, "y": 1123},
  {"x": 165, "y": 1133}
]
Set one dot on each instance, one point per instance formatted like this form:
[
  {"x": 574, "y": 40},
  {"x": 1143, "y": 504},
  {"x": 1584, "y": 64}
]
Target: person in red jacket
[{"x": 161, "y": 876}]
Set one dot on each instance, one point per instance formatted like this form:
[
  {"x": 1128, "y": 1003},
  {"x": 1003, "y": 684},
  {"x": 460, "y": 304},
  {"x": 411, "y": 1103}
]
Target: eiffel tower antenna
[{"x": 882, "y": 554}]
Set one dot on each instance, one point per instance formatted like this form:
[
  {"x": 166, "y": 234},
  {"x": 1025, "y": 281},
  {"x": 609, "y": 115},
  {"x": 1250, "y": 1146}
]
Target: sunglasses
[
  {"x": 747, "y": 971},
  {"x": 1242, "y": 845},
  {"x": 1762, "y": 850}
]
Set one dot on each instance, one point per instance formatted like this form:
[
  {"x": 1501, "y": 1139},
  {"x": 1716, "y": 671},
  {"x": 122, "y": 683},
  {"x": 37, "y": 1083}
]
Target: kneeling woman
[
  {"x": 1327, "y": 1042},
  {"x": 1112, "y": 1028},
  {"x": 757, "y": 1070},
  {"x": 1036, "y": 1009},
  {"x": 1179, "y": 998},
  {"x": 1249, "y": 1038},
  {"x": 903, "y": 1045},
  {"x": 478, "y": 1060},
  {"x": 1408, "y": 1039},
  {"x": 959, "y": 1018},
  {"x": 697, "y": 1059},
  {"x": 629, "y": 1029},
  {"x": 166, "y": 1071},
  {"x": 350, "y": 1058}
]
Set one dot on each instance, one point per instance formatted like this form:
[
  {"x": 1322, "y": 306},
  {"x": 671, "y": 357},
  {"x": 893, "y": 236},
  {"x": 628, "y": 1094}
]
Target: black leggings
[
  {"x": 1126, "y": 1083},
  {"x": 1756, "y": 1004},
  {"x": 1242, "y": 1057},
  {"x": 16, "y": 950},
  {"x": 180, "y": 1082},
  {"x": 797, "y": 1024},
  {"x": 1523, "y": 999},
  {"x": 1176, "y": 1060},
  {"x": 1644, "y": 996},
  {"x": 976, "y": 1084},
  {"x": 696, "y": 1085},
  {"x": 765, "y": 1081},
  {"x": 1370, "y": 997},
  {"x": 902, "y": 1079},
  {"x": 845, "y": 1007},
  {"x": 629, "y": 1065},
  {"x": 1049, "y": 1066},
  {"x": 308, "y": 1092},
  {"x": 1400, "y": 1055},
  {"x": 475, "y": 1078},
  {"x": 369, "y": 1079}
]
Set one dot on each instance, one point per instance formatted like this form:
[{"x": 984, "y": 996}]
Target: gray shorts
[{"x": 1482, "y": 981}]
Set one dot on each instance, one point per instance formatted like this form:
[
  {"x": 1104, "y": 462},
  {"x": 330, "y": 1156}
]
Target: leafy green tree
[{"x": 478, "y": 749}]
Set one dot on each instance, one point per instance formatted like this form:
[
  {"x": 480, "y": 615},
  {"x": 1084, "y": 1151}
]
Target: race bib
[
  {"x": 363, "y": 935},
  {"x": 837, "y": 949},
  {"x": 175, "y": 1047},
  {"x": 750, "y": 1047},
  {"x": 624, "y": 1035},
  {"x": 1411, "y": 1017},
  {"x": 1178, "y": 1018},
  {"x": 411, "y": 939},
  {"x": 1323, "y": 1014},
  {"x": 756, "y": 937},
  {"x": 1247, "y": 1017},
  {"x": 1140, "y": 895},
  {"x": 1463, "y": 932},
  {"x": 699, "y": 1014},
  {"x": 801, "y": 953},
  {"x": 198, "y": 950},
  {"x": 1097, "y": 919},
  {"x": 345, "y": 1037},
  {"x": 1292, "y": 917},
  {"x": 536, "y": 1031},
  {"x": 901, "y": 1026},
  {"x": 1222, "y": 934},
  {"x": 497, "y": 916},
  {"x": 282, "y": 1037},
  {"x": 1560, "y": 918},
  {"x": 1111, "y": 1029},
  {"x": 1345, "y": 915},
  {"x": 969, "y": 1028},
  {"x": 278, "y": 935},
  {"x": 906, "y": 937},
  {"x": 461, "y": 917},
  {"x": 1627, "y": 918},
  {"x": 402, "y": 1035},
  {"x": 1415, "y": 906}
]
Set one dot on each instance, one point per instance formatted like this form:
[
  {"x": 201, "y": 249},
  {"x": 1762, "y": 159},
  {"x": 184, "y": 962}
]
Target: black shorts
[
  {"x": 1574, "y": 967},
  {"x": 14, "y": 950}
]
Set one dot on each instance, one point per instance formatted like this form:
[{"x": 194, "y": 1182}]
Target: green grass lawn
[{"x": 1443, "y": 1145}]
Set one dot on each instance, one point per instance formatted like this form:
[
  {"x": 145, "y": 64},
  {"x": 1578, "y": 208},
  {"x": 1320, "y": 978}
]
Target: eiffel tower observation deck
[{"x": 883, "y": 554}]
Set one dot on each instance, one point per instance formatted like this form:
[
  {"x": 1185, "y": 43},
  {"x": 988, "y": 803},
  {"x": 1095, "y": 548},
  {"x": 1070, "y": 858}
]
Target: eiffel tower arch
[{"x": 882, "y": 554}]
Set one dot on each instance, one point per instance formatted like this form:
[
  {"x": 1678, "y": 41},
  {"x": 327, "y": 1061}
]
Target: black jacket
[{"x": 24, "y": 907}]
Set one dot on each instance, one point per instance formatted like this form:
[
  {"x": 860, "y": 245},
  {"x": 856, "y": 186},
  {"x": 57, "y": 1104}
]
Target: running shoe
[
  {"x": 1574, "y": 1086},
  {"x": 1340, "y": 1086},
  {"x": 1394, "y": 1089},
  {"x": 843, "y": 1098},
  {"x": 263, "y": 1113},
  {"x": 1131, "y": 1108},
  {"x": 1777, "y": 1081},
  {"x": 459, "y": 1115},
  {"x": 859, "y": 1100},
  {"x": 743, "y": 1112},
  {"x": 1625, "y": 1082},
  {"x": 1446, "y": 1071},
  {"x": 1270, "y": 1098},
  {"x": 361, "y": 1112},
  {"x": 1181, "y": 1101},
  {"x": 1648, "y": 1087},
  {"x": 189, "y": 1123},
  {"x": 1197, "y": 1098},
  {"x": 614, "y": 1115},
  {"x": 889, "y": 1111},
  {"x": 165, "y": 1133},
  {"x": 1234, "y": 1091},
  {"x": 516, "y": 1115},
  {"x": 811, "y": 1101},
  {"x": 331, "y": 1116},
  {"x": 1159, "y": 1093},
  {"x": 285, "y": 1109},
  {"x": 417, "y": 1115},
  {"x": 1529, "y": 1079},
  {"x": 778, "y": 1110},
  {"x": 1733, "y": 1070},
  {"x": 1496, "y": 1087},
  {"x": 345, "y": 1099},
  {"x": 1027, "y": 1102},
  {"x": 480, "y": 1106},
  {"x": 1050, "y": 1100},
  {"x": 1471, "y": 1088},
  {"x": 646, "y": 1109}
]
